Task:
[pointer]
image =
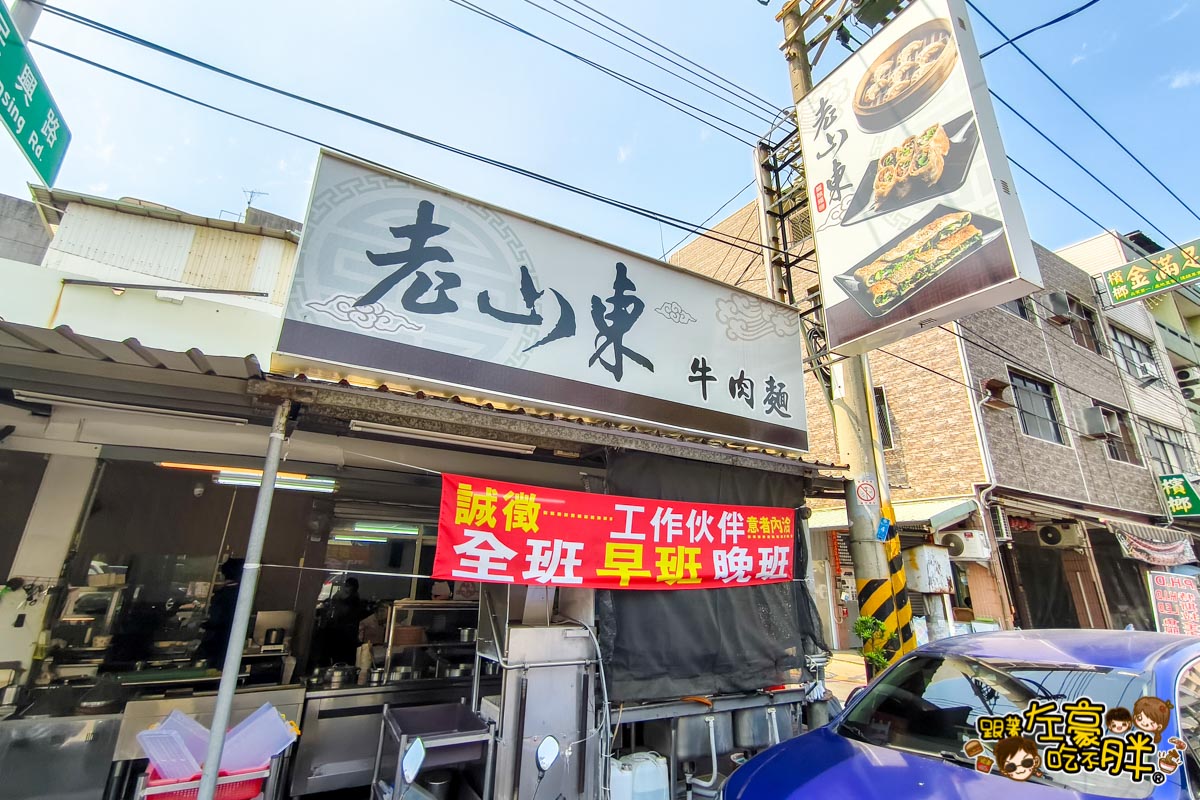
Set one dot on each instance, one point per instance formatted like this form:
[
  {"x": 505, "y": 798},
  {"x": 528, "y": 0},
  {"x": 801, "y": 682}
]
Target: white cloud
[
  {"x": 1176, "y": 12},
  {"x": 624, "y": 152},
  {"x": 1077, "y": 59},
  {"x": 283, "y": 165},
  {"x": 1185, "y": 78}
]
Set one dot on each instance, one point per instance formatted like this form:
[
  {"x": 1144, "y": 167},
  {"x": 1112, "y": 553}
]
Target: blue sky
[{"x": 436, "y": 69}]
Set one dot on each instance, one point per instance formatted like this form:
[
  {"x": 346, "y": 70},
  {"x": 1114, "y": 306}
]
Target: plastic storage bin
[
  {"x": 194, "y": 735},
  {"x": 229, "y": 786},
  {"x": 168, "y": 755},
  {"x": 255, "y": 740}
]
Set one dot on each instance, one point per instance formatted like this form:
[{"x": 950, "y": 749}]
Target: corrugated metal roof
[
  {"x": 65, "y": 342},
  {"x": 52, "y": 203},
  {"x": 937, "y": 514}
]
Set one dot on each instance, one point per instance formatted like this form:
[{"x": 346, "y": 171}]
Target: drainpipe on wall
[{"x": 984, "y": 494}]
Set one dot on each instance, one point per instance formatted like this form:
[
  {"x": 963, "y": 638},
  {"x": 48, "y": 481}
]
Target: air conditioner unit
[
  {"x": 1092, "y": 423},
  {"x": 1067, "y": 535},
  {"x": 965, "y": 545},
  {"x": 1146, "y": 372},
  {"x": 1060, "y": 309},
  {"x": 1189, "y": 382}
]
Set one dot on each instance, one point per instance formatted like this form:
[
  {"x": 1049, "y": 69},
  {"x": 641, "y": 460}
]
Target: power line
[
  {"x": 765, "y": 103},
  {"x": 646, "y": 89},
  {"x": 739, "y": 105},
  {"x": 718, "y": 211},
  {"x": 746, "y": 245},
  {"x": 1043, "y": 26},
  {"x": 1075, "y": 161},
  {"x": 1086, "y": 113}
]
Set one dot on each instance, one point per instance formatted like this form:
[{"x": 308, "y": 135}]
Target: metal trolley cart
[{"x": 451, "y": 734}]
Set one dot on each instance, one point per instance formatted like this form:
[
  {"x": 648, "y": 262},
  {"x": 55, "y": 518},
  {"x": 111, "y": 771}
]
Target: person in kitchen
[
  {"x": 346, "y": 610},
  {"x": 214, "y": 640}
]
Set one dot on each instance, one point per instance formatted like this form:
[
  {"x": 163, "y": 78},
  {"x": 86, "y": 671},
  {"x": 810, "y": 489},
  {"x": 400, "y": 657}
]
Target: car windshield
[{"x": 929, "y": 705}]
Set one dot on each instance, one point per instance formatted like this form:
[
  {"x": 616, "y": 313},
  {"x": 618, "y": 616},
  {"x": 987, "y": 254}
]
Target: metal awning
[
  {"x": 1151, "y": 544},
  {"x": 60, "y": 362},
  {"x": 934, "y": 514}
]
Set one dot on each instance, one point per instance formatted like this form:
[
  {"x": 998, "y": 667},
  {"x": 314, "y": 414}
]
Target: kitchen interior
[{"x": 345, "y": 619}]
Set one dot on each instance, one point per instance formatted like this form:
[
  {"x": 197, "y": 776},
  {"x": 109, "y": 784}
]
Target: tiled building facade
[{"x": 989, "y": 426}]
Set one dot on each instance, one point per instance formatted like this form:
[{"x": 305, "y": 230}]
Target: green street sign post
[
  {"x": 1182, "y": 500},
  {"x": 28, "y": 110},
  {"x": 1160, "y": 272}
]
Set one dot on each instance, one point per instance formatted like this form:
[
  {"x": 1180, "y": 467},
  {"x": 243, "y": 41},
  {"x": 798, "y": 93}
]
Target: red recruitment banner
[{"x": 497, "y": 532}]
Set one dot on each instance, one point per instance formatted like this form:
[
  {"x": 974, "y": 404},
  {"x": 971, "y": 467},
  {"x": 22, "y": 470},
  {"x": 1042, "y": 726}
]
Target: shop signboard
[
  {"x": 1182, "y": 500},
  {"x": 496, "y": 532},
  {"x": 30, "y": 113},
  {"x": 1176, "y": 601},
  {"x": 915, "y": 215},
  {"x": 1161, "y": 272},
  {"x": 400, "y": 282}
]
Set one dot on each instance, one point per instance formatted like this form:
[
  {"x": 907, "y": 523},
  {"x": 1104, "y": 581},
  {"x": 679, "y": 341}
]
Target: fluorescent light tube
[
  {"x": 441, "y": 438},
  {"x": 322, "y": 485},
  {"x": 390, "y": 528},
  {"x": 352, "y": 538}
]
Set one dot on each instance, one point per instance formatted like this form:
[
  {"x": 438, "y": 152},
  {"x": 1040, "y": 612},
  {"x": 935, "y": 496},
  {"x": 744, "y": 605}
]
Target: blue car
[{"x": 1006, "y": 715}]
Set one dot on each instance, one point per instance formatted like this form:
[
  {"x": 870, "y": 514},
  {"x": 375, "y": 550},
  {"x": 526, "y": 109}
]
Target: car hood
[{"x": 833, "y": 766}]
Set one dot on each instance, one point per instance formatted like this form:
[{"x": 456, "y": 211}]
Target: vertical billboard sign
[
  {"x": 914, "y": 213},
  {"x": 404, "y": 283}
]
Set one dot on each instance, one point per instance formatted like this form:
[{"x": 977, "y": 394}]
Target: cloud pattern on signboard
[
  {"x": 747, "y": 318},
  {"x": 374, "y": 317},
  {"x": 675, "y": 312}
]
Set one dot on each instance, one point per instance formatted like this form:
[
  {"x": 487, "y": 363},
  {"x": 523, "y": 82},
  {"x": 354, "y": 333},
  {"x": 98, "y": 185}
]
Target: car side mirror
[
  {"x": 414, "y": 757},
  {"x": 547, "y": 753},
  {"x": 855, "y": 692}
]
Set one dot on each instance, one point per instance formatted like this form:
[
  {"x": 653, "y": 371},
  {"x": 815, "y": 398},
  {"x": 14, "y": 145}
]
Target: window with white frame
[
  {"x": 1083, "y": 325},
  {"x": 1018, "y": 308},
  {"x": 1120, "y": 443},
  {"x": 1167, "y": 449},
  {"x": 1037, "y": 408},
  {"x": 1132, "y": 351}
]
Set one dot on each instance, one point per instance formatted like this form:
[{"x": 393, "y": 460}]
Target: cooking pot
[
  {"x": 340, "y": 675},
  {"x": 375, "y": 678},
  {"x": 402, "y": 673},
  {"x": 466, "y": 634},
  {"x": 274, "y": 636}
]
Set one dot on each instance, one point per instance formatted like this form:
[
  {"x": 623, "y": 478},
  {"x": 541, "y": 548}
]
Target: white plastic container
[
  {"x": 254, "y": 740},
  {"x": 167, "y": 754},
  {"x": 193, "y": 734},
  {"x": 639, "y": 776}
]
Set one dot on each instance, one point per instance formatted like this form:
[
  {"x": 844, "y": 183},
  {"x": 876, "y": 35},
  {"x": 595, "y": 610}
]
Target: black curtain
[
  {"x": 665, "y": 644},
  {"x": 1051, "y": 604},
  {"x": 1124, "y": 582}
]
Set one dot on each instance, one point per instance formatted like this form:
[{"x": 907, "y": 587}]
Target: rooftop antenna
[{"x": 251, "y": 194}]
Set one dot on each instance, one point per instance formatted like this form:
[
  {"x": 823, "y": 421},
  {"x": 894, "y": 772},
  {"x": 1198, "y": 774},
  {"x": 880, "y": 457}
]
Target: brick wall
[
  {"x": 732, "y": 265},
  {"x": 1080, "y": 469}
]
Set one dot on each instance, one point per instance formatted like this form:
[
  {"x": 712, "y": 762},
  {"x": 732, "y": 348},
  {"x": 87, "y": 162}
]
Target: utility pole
[
  {"x": 25, "y": 16},
  {"x": 878, "y": 569}
]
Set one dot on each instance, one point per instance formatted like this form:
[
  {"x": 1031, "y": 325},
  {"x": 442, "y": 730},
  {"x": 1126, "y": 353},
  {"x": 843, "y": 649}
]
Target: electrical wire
[
  {"x": 646, "y": 89},
  {"x": 1085, "y": 112},
  {"x": 1076, "y": 162},
  {"x": 766, "y": 104},
  {"x": 1043, "y": 26},
  {"x": 742, "y": 106},
  {"x": 747, "y": 245},
  {"x": 710, "y": 217}
]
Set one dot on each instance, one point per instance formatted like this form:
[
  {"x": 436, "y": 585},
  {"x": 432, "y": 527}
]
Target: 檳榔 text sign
[{"x": 497, "y": 532}]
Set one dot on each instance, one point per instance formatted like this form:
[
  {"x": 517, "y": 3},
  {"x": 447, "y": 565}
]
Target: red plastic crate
[{"x": 246, "y": 789}]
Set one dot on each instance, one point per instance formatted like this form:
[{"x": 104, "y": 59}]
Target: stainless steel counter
[
  {"x": 57, "y": 758},
  {"x": 141, "y": 714},
  {"x": 340, "y": 729}
]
